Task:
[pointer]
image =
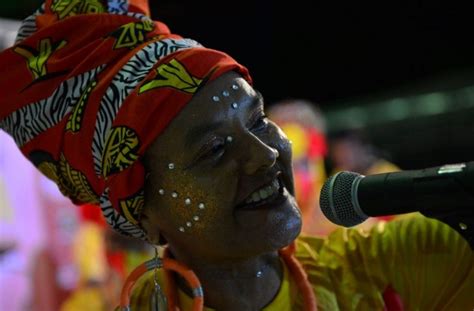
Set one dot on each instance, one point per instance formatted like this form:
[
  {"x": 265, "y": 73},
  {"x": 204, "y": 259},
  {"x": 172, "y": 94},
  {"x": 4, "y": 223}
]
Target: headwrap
[{"x": 88, "y": 87}]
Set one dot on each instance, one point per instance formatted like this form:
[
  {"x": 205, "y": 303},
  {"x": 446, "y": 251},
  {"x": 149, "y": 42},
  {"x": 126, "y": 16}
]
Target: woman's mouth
[{"x": 265, "y": 197}]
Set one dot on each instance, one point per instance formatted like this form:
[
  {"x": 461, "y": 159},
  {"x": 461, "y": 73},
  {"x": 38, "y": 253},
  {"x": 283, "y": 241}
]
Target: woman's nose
[{"x": 259, "y": 155}]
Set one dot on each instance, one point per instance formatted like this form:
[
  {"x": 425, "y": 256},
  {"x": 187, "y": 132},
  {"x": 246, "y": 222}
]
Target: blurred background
[{"x": 397, "y": 79}]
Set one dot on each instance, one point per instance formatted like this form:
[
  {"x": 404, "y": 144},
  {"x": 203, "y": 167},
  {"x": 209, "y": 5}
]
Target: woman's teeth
[{"x": 263, "y": 193}]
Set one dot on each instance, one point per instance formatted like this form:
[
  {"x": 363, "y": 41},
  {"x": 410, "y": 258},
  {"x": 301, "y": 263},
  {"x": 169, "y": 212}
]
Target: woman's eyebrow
[{"x": 200, "y": 131}]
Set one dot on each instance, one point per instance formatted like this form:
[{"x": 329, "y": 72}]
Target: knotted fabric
[{"x": 88, "y": 86}]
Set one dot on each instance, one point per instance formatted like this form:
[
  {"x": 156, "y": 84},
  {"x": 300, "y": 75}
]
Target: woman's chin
[
  {"x": 290, "y": 231},
  {"x": 284, "y": 230}
]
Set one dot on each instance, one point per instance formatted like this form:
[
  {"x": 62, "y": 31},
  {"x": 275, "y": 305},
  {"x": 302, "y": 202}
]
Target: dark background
[
  {"x": 340, "y": 54},
  {"x": 330, "y": 51},
  {"x": 335, "y": 53}
]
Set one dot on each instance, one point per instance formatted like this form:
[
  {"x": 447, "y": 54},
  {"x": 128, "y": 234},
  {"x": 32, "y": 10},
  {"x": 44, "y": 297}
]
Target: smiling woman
[
  {"x": 237, "y": 167},
  {"x": 171, "y": 140},
  {"x": 237, "y": 179}
]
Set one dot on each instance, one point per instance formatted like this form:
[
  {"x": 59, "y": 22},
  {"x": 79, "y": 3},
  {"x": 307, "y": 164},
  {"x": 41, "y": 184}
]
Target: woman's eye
[{"x": 215, "y": 149}]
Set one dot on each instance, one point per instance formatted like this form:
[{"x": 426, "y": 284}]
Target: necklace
[{"x": 294, "y": 266}]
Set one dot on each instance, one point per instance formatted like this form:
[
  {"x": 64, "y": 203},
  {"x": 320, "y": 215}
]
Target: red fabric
[
  {"x": 92, "y": 213},
  {"x": 317, "y": 144},
  {"x": 87, "y": 93},
  {"x": 116, "y": 261},
  {"x": 392, "y": 299}
]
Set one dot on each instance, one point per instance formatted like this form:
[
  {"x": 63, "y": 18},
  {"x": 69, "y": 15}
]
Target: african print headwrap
[{"x": 88, "y": 87}]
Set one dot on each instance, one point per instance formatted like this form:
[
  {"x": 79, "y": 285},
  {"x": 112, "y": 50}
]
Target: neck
[{"x": 246, "y": 284}]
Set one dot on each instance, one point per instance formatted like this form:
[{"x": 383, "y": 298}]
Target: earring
[
  {"x": 159, "y": 302},
  {"x": 158, "y": 299}
]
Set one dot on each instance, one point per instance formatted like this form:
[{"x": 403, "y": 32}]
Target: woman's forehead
[
  {"x": 216, "y": 103},
  {"x": 221, "y": 91}
]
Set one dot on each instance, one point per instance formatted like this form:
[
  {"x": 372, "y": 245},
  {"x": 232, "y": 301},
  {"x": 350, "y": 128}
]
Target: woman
[{"x": 171, "y": 139}]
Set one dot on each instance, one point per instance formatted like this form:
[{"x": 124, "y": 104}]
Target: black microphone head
[{"x": 338, "y": 199}]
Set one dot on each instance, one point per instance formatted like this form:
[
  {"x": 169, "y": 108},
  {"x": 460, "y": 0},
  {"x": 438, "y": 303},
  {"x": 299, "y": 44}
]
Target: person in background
[
  {"x": 351, "y": 150},
  {"x": 103, "y": 259},
  {"x": 305, "y": 125}
]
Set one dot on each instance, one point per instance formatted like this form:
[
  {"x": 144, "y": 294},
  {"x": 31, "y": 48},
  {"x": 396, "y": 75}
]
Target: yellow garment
[
  {"x": 89, "y": 257},
  {"x": 89, "y": 253},
  {"x": 425, "y": 261},
  {"x": 87, "y": 298},
  {"x": 381, "y": 167}
]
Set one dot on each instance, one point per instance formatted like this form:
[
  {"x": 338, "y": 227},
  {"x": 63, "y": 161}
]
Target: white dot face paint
[
  {"x": 225, "y": 94},
  {"x": 161, "y": 191},
  {"x": 196, "y": 218},
  {"x": 171, "y": 166},
  {"x": 201, "y": 206},
  {"x": 229, "y": 139},
  {"x": 235, "y": 105},
  {"x": 187, "y": 201},
  {"x": 189, "y": 224},
  {"x": 181, "y": 229},
  {"x": 235, "y": 87},
  {"x": 215, "y": 98},
  {"x": 174, "y": 195},
  {"x": 218, "y": 188}
]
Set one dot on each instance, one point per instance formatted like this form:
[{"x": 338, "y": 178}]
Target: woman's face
[{"x": 220, "y": 183}]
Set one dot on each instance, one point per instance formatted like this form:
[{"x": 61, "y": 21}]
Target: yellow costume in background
[
  {"x": 426, "y": 262},
  {"x": 89, "y": 255},
  {"x": 381, "y": 167}
]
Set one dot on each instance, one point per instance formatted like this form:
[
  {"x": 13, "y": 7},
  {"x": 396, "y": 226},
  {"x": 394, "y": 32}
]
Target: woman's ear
[{"x": 152, "y": 231}]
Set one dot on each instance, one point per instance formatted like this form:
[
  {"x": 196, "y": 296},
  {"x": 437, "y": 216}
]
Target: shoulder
[
  {"x": 413, "y": 233},
  {"x": 352, "y": 263}
]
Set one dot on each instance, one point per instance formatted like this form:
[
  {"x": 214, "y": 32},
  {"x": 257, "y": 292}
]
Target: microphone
[{"x": 444, "y": 192}]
